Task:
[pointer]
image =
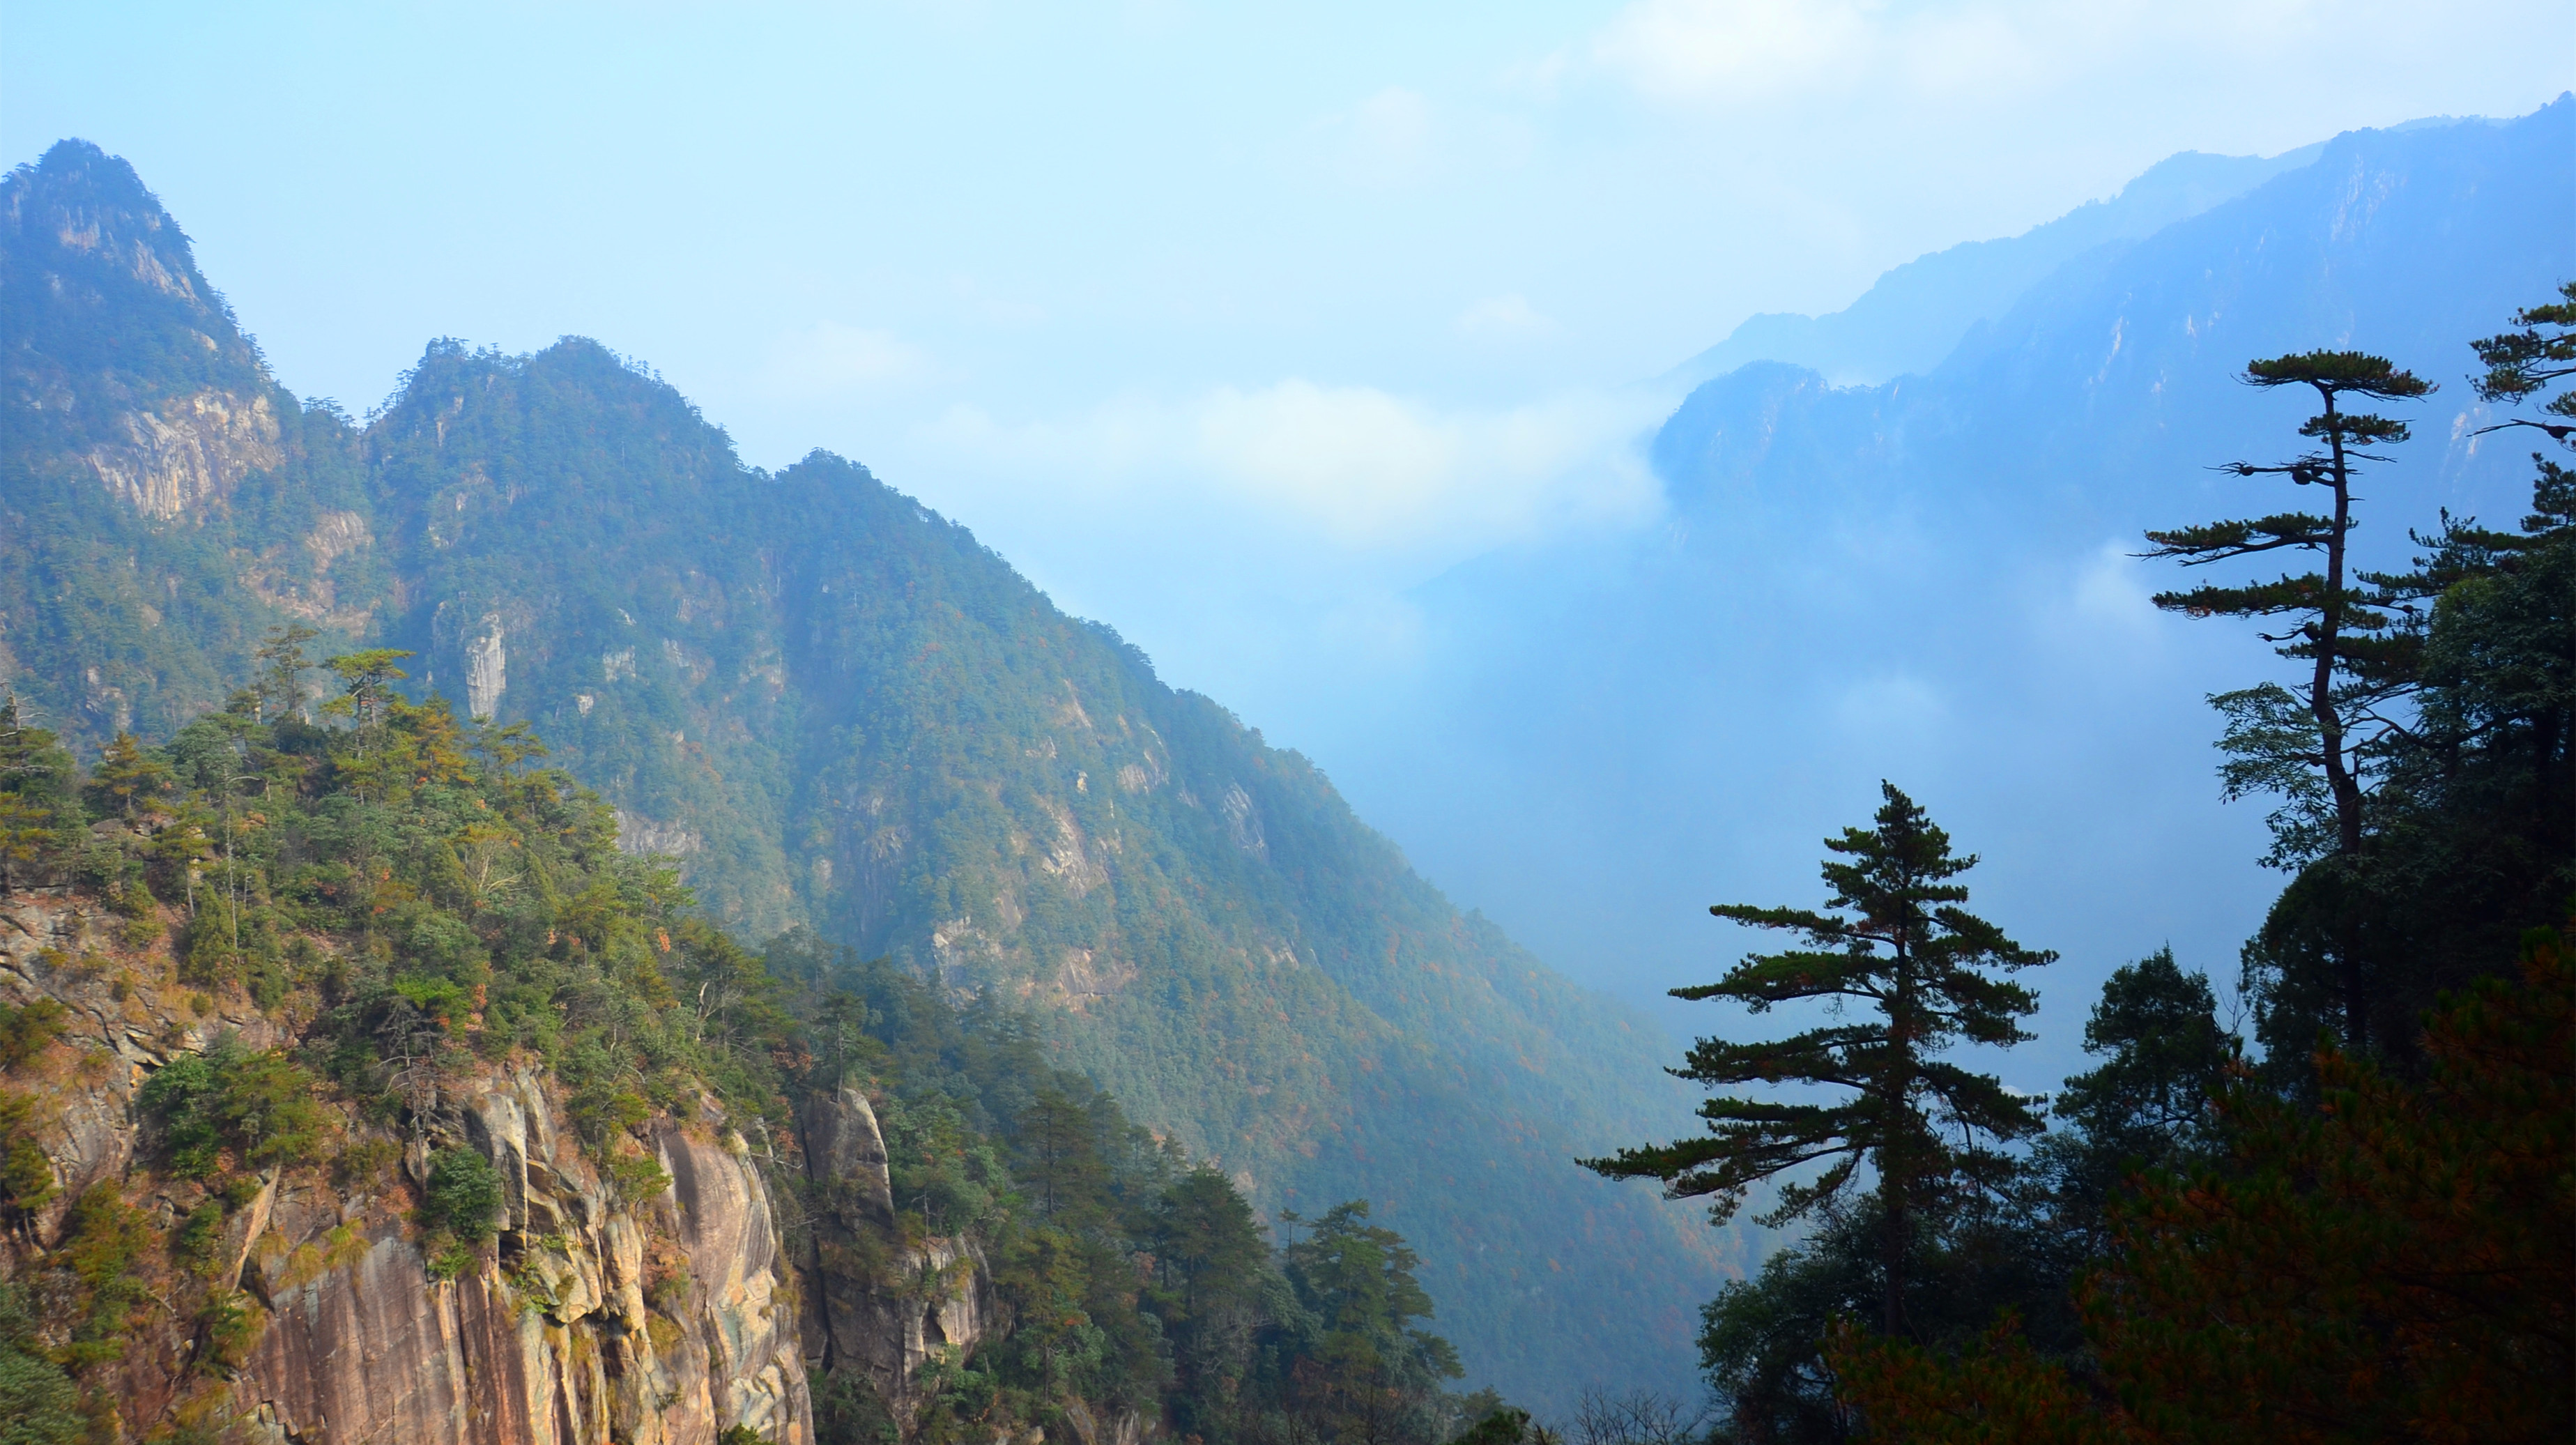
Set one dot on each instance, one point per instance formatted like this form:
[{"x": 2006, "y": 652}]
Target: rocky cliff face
[
  {"x": 882, "y": 1311},
  {"x": 664, "y": 1319}
]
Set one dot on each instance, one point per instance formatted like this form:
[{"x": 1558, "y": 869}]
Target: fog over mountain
[
  {"x": 1349, "y": 930},
  {"x": 1929, "y": 579}
]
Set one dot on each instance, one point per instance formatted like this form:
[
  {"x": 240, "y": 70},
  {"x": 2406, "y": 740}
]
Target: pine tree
[
  {"x": 2313, "y": 750},
  {"x": 2521, "y": 363},
  {"x": 127, "y": 776},
  {"x": 282, "y": 665},
  {"x": 2393, "y": 1265},
  {"x": 36, "y": 795},
  {"x": 1924, "y": 967}
]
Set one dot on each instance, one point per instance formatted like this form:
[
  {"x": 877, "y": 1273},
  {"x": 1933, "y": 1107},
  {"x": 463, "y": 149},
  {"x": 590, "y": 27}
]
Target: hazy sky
[
  {"x": 1203, "y": 314},
  {"x": 1227, "y": 324}
]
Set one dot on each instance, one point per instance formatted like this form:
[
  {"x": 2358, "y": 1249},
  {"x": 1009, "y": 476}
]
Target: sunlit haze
[{"x": 1229, "y": 326}]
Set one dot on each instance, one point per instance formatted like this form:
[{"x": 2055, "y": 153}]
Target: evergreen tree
[
  {"x": 2468, "y": 837},
  {"x": 128, "y": 776},
  {"x": 2394, "y": 1265},
  {"x": 2316, "y": 750},
  {"x": 2148, "y": 1104},
  {"x": 1924, "y": 967},
  {"x": 2521, "y": 363},
  {"x": 279, "y": 692},
  {"x": 1369, "y": 1376},
  {"x": 37, "y": 797}
]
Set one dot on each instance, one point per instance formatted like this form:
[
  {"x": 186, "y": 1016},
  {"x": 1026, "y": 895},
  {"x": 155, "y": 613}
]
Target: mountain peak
[{"x": 91, "y": 205}]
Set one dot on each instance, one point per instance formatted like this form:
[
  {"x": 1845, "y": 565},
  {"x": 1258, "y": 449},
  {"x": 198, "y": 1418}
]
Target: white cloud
[
  {"x": 1359, "y": 467},
  {"x": 1730, "y": 49},
  {"x": 1389, "y": 139},
  {"x": 830, "y": 358},
  {"x": 2112, "y": 588}
]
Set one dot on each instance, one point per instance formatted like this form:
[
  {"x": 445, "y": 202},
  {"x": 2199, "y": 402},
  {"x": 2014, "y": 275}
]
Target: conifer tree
[
  {"x": 282, "y": 665},
  {"x": 1903, "y": 953},
  {"x": 36, "y": 794},
  {"x": 2393, "y": 1266},
  {"x": 127, "y": 776},
  {"x": 2313, "y": 750},
  {"x": 2524, "y": 362}
]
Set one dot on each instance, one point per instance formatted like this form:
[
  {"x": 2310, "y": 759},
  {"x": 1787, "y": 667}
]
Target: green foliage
[
  {"x": 39, "y": 1404},
  {"x": 463, "y": 1195},
  {"x": 1499, "y": 1427},
  {"x": 26, "y": 1029},
  {"x": 633, "y": 1176},
  {"x": 1136, "y": 1280},
  {"x": 195, "y": 1242},
  {"x": 38, "y": 800},
  {"x": 229, "y": 1326},
  {"x": 2013, "y": 1254},
  {"x": 26, "y": 1174},
  {"x": 2390, "y": 1262},
  {"x": 104, "y": 1242},
  {"x": 2466, "y": 838},
  {"x": 2149, "y": 1105},
  {"x": 2166, "y": 1059},
  {"x": 2525, "y": 362},
  {"x": 1920, "y": 964},
  {"x": 848, "y": 1411},
  {"x": 259, "y": 1105},
  {"x": 847, "y": 711}
]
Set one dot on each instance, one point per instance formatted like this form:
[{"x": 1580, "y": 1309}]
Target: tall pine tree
[
  {"x": 1922, "y": 974},
  {"x": 2315, "y": 750}
]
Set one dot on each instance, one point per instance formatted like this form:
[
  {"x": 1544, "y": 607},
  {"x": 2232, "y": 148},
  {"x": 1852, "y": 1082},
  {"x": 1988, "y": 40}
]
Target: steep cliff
[
  {"x": 228, "y": 1210},
  {"x": 594, "y": 1317},
  {"x": 666, "y": 1318},
  {"x": 355, "y": 1086}
]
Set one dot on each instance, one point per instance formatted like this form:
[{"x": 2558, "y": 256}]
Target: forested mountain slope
[{"x": 836, "y": 708}]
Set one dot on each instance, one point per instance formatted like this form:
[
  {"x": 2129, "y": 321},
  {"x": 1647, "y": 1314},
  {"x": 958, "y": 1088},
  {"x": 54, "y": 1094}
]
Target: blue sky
[{"x": 1228, "y": 325}]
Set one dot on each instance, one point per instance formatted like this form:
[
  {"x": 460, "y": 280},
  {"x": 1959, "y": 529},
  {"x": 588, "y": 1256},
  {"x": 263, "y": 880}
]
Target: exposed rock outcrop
[
  {"x": 591, "y": 1318},
  {"x": 880, "y": 1304},
  {"x": 189, "y": 454}
]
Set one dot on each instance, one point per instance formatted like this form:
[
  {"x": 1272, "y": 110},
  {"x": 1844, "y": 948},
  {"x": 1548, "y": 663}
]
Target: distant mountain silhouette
[
  {"x": 1914, "y": 315},
  {"x": 1924, "y": 579}
]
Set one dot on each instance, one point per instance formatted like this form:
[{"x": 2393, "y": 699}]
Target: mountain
[
  {"x": 839, "y": 711},
  {"x": 1928, "y": 580},
  {"x": 1912, "y": 317}
]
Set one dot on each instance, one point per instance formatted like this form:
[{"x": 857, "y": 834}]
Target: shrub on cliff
[
  {"x": 464, "y": 1195},
  {"x": 259, "y": 1105}
]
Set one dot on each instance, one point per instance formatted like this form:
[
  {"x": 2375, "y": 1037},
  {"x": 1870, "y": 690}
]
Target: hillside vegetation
[
  {"x": 336, "y": 929},
  {"x": 837, "y": 711}
]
